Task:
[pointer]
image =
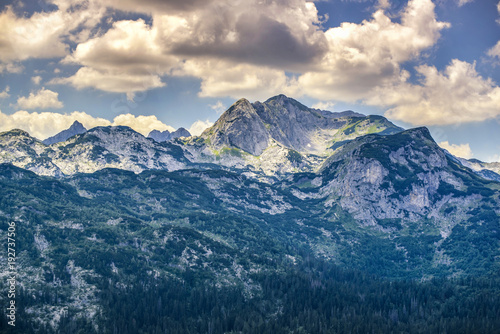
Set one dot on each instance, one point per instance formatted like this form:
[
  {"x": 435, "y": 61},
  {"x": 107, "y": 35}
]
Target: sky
[{"x": 156, "y": 64}]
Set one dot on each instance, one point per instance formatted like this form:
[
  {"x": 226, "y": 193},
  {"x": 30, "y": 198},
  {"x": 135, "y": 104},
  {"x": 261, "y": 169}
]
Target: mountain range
[
  {"x": 271, "y": 188},
  {"x": 161, "y": 136}
]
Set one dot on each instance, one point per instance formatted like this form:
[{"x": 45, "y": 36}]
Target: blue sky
[{"x": 154, "y": 64}]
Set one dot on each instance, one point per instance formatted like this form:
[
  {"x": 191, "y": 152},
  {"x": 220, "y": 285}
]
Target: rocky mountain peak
[
  {"x": 252, "y": 127},
  {"x": 77, "y": 126},
  {"x": 166, "y": 135},
  {"x": 75, "y": 129}
]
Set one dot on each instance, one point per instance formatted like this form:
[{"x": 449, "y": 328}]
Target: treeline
[{"x": 316, "y": 297}]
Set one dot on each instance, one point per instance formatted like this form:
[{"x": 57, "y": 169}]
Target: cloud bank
[
  {"x": 45, "y": 124},
  {"x": 253, "y": 49}
]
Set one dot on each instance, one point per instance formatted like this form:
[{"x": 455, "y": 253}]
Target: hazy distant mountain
[
  {"x": 488, "y": 170},
  {"x": 75, "y": 129},
  {"x": 166, "y": 135}
]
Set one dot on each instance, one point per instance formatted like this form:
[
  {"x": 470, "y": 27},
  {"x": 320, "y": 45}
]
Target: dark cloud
[
  {"x": 157, "y": 6},
  {"x": 256, "y": 39}
]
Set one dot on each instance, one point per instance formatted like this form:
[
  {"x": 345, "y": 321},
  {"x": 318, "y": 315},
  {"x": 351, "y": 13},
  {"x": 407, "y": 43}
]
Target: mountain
[
  {"x": 19, "y": 148},
  {"x": 488, "y": 170},
  {"x": 266, "y": 139},
  {"x": 284, "y": 121},
  {"x": 166, "y": 135},
  {"x": 95, "y": 149},
  {"x": 381, "y": 207},
  {"x": 279, "y": 218},
  {"x": 75, "y": 129}
]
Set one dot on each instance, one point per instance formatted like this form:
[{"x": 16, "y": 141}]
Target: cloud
[
  {"x": 10, "y": 67},
  {"x": 463, "y": 2},
  {"x": 456, "y": 95},
  {"x": 141, "y": 124},
  {"x": 42, "y": 99},
  {"x": 498, "y": 10},
  {"x": 218, "y": 107},
  {"x": 461, "y": 150},
  {"x": 126, "y": 59},
  {"x": 110, "y": 81},
  {"x": 133, "y": 56},
  {"x": 494, "y": 52},
  {"x": 42, "y": 35},
  {"x": 222, "y": 78},
  {"x": 324, "y": 105},
  {"x": 281, "y": 34},
  {"x": 199, "y": 126},
  {"x": 36, "y": 79},
  {"x": 5, "y": 94},
  {"x": 369, "y": 54},
  {"x": 154, "y": 6},
  {"x": 45, "y": 124}
]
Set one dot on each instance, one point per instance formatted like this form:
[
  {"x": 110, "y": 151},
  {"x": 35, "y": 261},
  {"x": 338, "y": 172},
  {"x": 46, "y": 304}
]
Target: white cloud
[
  {"x": 126, "y": 59},
  {"x": 463, "y": 2},
  {"x": 141, "y": 124},
  {"x": 223, "y": 78},
  {"x": 42, "y": 34},
  {"x": 10, "y": 67},
  {"x": 324, "y": 105},
  {"x": 494, "y": 51},
  {"x": 5, "y": 93},
  {"x": 218, "y": 107},
  {"x": 498, "y": 10},
  {"x": 42, "y": 99},
  {"x": 199, "y": 126},
  {"x": 459, "y": 150},
  {"x": 456, "y": 95},
  {"x": 249, "y": 48},
  {"x": 110, "y": 81},
  {"x": 369, "y": 54},
  {"x": 45, "y": 124},
  {"x": 36, "y": 79}
]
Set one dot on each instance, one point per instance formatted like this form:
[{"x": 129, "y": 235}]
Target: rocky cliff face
[
  {"x": 241, "y": 127},
  {"x": 397, "y": 182}
]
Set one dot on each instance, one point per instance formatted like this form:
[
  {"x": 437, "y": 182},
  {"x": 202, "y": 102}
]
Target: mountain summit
[
  {"x": 161, "y": 136},
  {"x": 253, "y": 127},
  {"x": 75, "y": 129}
]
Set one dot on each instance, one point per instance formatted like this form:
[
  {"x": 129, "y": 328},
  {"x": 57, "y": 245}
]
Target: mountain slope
[{"x": 19, "y": 148}]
